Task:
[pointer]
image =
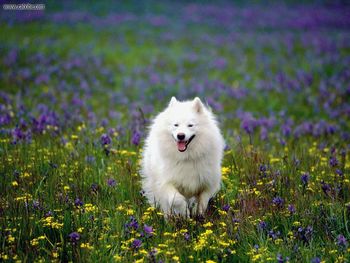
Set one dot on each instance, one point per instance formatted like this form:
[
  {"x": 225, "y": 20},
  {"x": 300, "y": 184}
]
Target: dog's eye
[
  {"x": 190, "y": 125},
  {"x": 176, "y": 125}
]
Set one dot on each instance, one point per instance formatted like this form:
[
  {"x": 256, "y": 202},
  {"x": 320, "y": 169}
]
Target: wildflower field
[{"x": 79, "y": 85}]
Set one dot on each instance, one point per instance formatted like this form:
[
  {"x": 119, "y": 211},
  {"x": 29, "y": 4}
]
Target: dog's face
[{"x": 184, "y": 122}]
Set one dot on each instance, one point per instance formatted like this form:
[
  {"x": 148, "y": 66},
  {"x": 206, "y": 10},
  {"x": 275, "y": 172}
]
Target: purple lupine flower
[
  {"x": 286, "y": 129},
  {"x": 5, "y": 119},
  {"x": 333, "y": 161},
  {"x": 136, "y": 137},
  {"x": 78, "y": 202},
  {"x": 333, "y": 150},
  {"x": 36, "y": 204},
  {"x": 18, "y": 134},
  {"x": 341, "y": 241},
  {"x": 280, "y": 258},
  {"x": 291, "y": 209},
  {"x": 74, "y": 237},
  {"x": 187, "y": 236},
  {"x": 104, "y": 122},
  {"x": 148, "y": 230},
  {"x": 325, "y": 187},
  {"x": 132, "y": 224},
  {"x": 316, "y": 260},
  {"x": 105, "y": 139},
  {"x": 278, "y": 201},
  {"x": 49, "y": 213},
  {"x": 274, "y": 235},
  {"x": 343, "y": 153},
  {"x": 262, "y": 168},
  {"x": 136, "y": 244},
  {"x": 305, "y": 179},
  {"x": 111, "y": 182},
  {"x": 264, "y": 133},
  {"x": 226, "y": 207},
  {"x": 262, "y": 225},
  {"x": 248, "y": 124},
  {"x": 339, "y": 172}
]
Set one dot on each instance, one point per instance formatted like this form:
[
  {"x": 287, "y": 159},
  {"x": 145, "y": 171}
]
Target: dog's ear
[
  {"x": 198, "y": 105},
  {"x": 173, "y": 101}
]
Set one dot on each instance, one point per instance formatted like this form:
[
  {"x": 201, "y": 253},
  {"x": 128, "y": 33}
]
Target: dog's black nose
[{"x": 181, "y": 136}]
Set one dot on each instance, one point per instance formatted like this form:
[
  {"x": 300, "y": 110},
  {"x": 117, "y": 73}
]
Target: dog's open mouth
[{"x": 182, "y": 145}]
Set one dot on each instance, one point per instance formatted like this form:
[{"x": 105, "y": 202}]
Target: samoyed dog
[{"x": 181, "y": 163}]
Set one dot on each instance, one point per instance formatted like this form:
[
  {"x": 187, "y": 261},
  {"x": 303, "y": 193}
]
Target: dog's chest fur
[{"x": 189, "y": 178}]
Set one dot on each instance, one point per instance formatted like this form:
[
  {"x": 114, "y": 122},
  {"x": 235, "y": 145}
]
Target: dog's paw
[
  {"x": 179, "y": 206},
  {"x": 202, "y": 207}
]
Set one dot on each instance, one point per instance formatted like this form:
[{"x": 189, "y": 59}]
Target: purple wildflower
[
  {"x": 263, "y": 133},
  {"x": 111, "y": 182},
  {"x": 78, "y": 202},
  {"x": 316, "y": 260},
  {"x": 262, "y": 225},
  {"x": 325, "y": 187},
  {"x": 342, "y": 242},
  {"x": 132, "y": 224},
  {"x": 262, "y": 168},
  {"x": 74, "y": 237},
  {"x": 291, "y": 209},
  {"x": 333, "y": 161},
  {"x": 286, "y": 129},
  {"x": 226, "y": 207},
  {"x": 280, "y": 259},
  {"x": 248, "y": 124},
  {"x": 274, "y": 235},
  {"x": 187, "y": 236},
  {"x": 339, "y": 172},
  {"x": 136, "y": 137},
  {"x": 5, "y": 119},
  {"x": 49, "y": 213},
  {"x": 36, "y": 204},
  {"x": 278, "y": 201},
  {"x": 305, "y": 179},
  {"x": 105, "y": 139},
  {"x": 136, "y": 244},
  {"x": 148, "y": 230}
]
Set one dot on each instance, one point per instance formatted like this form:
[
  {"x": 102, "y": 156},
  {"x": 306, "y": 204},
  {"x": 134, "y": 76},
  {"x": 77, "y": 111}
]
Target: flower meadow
[{"x": 78, "y": 88}]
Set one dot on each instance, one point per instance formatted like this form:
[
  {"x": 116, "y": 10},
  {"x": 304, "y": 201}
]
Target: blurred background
[{"x": 106, "y": 60}]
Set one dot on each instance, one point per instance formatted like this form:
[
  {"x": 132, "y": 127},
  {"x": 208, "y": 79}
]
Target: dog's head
[{"x": 184, "y": 121}]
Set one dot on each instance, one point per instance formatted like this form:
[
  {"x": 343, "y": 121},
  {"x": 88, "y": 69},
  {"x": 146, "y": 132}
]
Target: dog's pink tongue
[{"x": 181, "y": 146}]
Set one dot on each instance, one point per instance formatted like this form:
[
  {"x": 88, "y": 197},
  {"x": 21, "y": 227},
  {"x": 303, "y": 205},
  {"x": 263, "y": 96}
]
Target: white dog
[{"x": 181, "y": 165}]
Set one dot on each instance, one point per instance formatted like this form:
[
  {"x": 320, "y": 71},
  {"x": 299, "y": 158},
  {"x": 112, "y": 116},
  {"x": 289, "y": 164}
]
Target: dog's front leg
[
  {"x": 172, "y": 202},
  {"x": 203, "y": 200}
]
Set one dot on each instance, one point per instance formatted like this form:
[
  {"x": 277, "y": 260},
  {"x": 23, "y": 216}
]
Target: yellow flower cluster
[{"x": 50, "y": 222}]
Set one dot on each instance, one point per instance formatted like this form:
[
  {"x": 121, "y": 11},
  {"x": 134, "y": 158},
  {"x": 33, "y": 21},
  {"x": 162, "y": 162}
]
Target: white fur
[{"x": 174, "y": 179}]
